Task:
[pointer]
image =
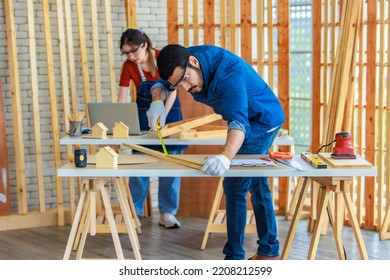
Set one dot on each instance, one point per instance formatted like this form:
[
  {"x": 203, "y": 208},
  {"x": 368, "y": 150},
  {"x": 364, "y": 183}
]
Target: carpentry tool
[
  {"x": 164, "y": 155},
  {"x": 281, "y": 155},
  {"x": 314, "y": 160},
  {"x": 286, "y": 158},
  {"x": 343, "y": 148},
  {"x": 160, "y": 136}
]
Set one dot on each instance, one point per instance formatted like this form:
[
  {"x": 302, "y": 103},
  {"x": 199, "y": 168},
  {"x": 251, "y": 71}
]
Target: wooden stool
[
  {"x": 341, "y": 193},
  {"x": 90, "y": 223},
  {"x": 385, "y": 234},
  {"x": 217, "y": 219}
]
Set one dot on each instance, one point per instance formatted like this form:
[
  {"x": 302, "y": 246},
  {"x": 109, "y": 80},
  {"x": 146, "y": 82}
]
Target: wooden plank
[
  {"x": 195, "y": 21},
  {"x": 157, "y": 154},
  {"x": 232, "y": 26},
  {"x": 33, "y": 219},
  {"x": 173, "y": 22},
  {"x": 222, "y": 17},
  {"x": 387, "y": 162},
  {"x": 284, "y": 89},
  {"x": 72, "y": 71},
  {"x": 95, "y": 50},
  {"x": 316, "y": 76},
  {"x": 170, "y": 129},
  {"x": 65, "y": 94},
  {"x": 53, "y": 109},
  {"x": 205, "y": 134},
  {"x": 260, "y": 37},
  {"x": 13, "y": 69},
  {"x": 126, "y": 159},
  {"x": 209, "y": 23},
  {"x": 246, "y": 30},
  {"x": 110, "y": 52},
  {"x": 186, "y": 28},
  {"x": 83, "y": 54},
  {"x": 359, "y": 162},
  {"x": 381, "y": 153},
  {"x": 270, "y": 45},
  {"x": 370, "y": 120},
  {"x": 131, "y": 13},
  {"x": 36, "y": 107}
]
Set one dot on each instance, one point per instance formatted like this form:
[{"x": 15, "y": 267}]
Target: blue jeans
[
  {"x": 168, "y": 191},
  {"x": 236, "y": 189}
]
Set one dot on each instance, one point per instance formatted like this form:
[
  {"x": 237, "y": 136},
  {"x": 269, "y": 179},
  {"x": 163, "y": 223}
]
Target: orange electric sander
[{"x": 343, "y": 148}]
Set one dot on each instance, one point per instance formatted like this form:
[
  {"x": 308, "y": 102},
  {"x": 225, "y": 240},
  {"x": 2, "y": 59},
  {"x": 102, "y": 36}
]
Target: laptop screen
[{"x": 110, "y": 113}]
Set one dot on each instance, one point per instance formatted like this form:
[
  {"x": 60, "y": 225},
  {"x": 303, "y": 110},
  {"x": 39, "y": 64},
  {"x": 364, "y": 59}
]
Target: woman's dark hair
[
  {"x": 135, "y": 37},
  {"x": 170, "y": 57}
]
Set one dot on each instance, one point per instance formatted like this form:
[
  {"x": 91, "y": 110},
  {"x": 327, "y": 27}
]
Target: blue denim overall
[{"x": 168, "y": 187}]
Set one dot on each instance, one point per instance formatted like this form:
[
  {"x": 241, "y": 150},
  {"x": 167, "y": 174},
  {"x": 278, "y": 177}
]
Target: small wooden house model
[
  {"x": 120, "y": 130},
  {"x": 106, "y": 158},
  {"x": 99, "y": 130}
]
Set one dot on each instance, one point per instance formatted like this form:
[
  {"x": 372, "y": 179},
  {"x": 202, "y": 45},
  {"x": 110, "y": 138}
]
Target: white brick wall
[{"x": 151, "y": 16}]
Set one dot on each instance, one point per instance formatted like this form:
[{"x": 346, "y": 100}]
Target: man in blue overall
[{"x": 230, "y": 86}]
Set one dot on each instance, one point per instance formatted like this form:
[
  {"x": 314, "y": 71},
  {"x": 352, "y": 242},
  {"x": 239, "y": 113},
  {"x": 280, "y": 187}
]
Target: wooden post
[
  {"x": 36, "y": 107},
  {"x": 284, "y": 89},
  {"x": 13, "y": 67}
]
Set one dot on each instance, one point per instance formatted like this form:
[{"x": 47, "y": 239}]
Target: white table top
[
  {"x": 152, "y": 139},
  {"x": 163, "y": 168}
]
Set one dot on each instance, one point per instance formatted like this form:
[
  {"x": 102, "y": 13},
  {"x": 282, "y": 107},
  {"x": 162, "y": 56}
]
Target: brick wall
[{"x": 151, "y": 17}]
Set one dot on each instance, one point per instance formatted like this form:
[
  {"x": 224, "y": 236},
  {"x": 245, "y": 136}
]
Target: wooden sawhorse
[
  {"x": 90, "y": 225},
  {"x": 338, "y": 186},
  {"x": 385, "y": 234},
  {"x": 103, "y": 228}
]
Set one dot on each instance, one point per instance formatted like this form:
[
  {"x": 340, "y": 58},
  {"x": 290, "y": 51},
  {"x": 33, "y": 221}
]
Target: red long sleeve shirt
[{"x": 130, "y": 72}]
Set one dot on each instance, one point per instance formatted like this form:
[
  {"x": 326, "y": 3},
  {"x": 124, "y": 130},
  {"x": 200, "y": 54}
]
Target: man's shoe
[
  {"x": 169, "y": 221},
  {"x": 257, "y": 257}
]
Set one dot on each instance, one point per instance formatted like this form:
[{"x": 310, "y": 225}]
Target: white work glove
[
  {"x": 216, "y": 165},
  {"x": 156, "y": 110}
]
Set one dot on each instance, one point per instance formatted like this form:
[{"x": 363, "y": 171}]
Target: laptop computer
[{"x": 109, "y": 113}]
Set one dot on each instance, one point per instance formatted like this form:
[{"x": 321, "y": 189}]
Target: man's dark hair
[{"x": 170, "y": 57}]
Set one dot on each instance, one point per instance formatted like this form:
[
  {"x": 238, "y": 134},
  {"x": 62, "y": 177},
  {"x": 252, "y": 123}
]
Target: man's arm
[
  {"x": 234, "y": 140},
  {"x": 218, "y": 164}
]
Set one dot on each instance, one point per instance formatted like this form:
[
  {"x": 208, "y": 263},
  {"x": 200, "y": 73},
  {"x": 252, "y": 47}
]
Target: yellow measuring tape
[
  {"x": 158, "y": 126},
  {"x": 160, "y": 136}
]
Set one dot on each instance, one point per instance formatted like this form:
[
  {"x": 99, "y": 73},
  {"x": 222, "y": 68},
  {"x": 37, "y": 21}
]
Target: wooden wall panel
[
  {"x": 16, "y": 107},
  {"x": 284, "y": 88},
  {"x": 370, "y": 120}
]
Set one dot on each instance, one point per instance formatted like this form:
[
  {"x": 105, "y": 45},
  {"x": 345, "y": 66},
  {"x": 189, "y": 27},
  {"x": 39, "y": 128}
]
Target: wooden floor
[{"x": 158, "y": 243}]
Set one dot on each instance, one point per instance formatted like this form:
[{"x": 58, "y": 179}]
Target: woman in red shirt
[{"x": 140, "y": 67}]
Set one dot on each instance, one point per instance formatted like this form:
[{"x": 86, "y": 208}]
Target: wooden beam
[
  {"x": 131, "y": 13},
  {"x": 316, "y": 76},
  {"x": 370, "y": 120},
  {"x": 53, "y": 109},
  {"x": 110, "y": 52},
  {"x": 284, "y": 88},
  {"x": 13, "y": 67},
  {"x": 95, "y": 51},
  {"x": 36, "y": 107},
  {"x": 246, "y": 30},
  {"x": 173, "y": 22},
  {"x": 159, "y": 155},
  {"x": 174, "y": 128},
  {"x": 209, "y": 23}
]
